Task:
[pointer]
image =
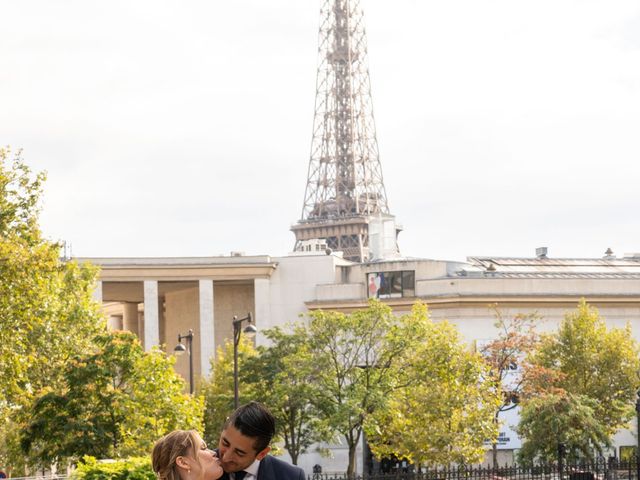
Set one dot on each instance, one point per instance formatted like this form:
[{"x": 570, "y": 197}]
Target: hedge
[{"x": 136, "y": 468}]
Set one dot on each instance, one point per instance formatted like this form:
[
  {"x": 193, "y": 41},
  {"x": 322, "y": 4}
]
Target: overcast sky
[{"x": 183, "y": 128}]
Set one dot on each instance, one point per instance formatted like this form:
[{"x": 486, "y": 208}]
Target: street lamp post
[
  {"x": 562, "y": 452},
  {"x": 180, "y": 349},
  {"x": 249, "y": 330}
]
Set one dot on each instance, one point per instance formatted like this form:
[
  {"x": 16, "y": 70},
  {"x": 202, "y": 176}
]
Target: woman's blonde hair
[{"x": 179, "y": 443}]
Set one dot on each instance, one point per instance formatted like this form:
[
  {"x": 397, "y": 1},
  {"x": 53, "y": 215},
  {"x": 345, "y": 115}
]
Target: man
[{"x": 244, "y": 447}]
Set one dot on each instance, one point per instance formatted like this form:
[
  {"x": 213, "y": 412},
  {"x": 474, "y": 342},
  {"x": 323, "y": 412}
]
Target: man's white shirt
[{"x": 252, "y": 471}]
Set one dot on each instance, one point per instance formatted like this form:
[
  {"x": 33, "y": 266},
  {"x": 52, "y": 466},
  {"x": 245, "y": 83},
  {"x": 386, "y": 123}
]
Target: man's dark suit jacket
[{"x": 272, "y": 468}]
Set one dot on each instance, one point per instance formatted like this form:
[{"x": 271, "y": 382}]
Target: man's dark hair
[{"x": 254, "y": 420}]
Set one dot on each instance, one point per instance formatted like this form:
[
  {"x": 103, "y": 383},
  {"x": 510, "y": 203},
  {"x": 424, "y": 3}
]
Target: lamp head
[
  {"x": 250, "y": 330},
  {"x": 180, "y": 349}
]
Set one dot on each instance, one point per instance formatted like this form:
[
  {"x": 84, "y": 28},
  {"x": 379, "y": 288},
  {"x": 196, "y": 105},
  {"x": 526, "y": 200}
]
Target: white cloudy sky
[{"x": 183, "y": 127}]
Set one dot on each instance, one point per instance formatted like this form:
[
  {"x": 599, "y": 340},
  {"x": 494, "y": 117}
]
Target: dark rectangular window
[
  {"x": 409, "y": 283},
  {"x": 391, "y": 284}
]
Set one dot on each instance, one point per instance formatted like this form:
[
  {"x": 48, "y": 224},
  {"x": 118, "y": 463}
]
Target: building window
[{"x": 391, "y": 284}]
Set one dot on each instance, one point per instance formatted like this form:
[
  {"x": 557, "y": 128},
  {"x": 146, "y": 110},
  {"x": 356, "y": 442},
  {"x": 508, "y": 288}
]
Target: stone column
[
  {"x": 114, "y": 322},
  {"x": 97, "y": 292},
  {"x": 162, "y": 322},
  {"x": 207, "y": 333},
  {"x": 151, "y": 318},
  {"x": 141, "y": 327},
  {"x": 261, "y": 293},
  {"x": 130, "y": 317}
]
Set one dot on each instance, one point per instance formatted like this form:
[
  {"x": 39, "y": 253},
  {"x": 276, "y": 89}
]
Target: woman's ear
[{"x": 183, "y": 463}]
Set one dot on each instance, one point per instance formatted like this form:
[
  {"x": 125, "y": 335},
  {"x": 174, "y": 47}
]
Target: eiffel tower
[{"x": 345, "y": 204}]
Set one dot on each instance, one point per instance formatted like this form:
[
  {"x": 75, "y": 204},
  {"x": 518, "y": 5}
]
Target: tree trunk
[
  {"x": 494, "y": 445},
  {"x": 351, "y": 468},
  {"x": 494, "y": 452},
  {"x": 352, "y": 440},
  {"x": 291, "y": 446}
]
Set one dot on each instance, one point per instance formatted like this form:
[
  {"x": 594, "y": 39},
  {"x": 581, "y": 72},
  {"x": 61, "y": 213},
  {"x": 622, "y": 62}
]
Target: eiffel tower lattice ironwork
[{"x": 345, "y": 190}]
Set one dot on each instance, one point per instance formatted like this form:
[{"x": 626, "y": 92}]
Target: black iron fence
[{"x": 611, "y": 469}]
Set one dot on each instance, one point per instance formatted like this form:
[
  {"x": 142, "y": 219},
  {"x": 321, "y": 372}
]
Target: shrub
[{"x": 135, "y": 468}]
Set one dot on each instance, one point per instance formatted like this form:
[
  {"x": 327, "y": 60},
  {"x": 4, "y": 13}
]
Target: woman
[{"x": 183, "y": 455}]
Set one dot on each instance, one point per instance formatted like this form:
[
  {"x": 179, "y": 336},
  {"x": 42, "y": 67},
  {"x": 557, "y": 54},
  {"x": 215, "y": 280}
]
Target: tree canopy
[
  {"x": 359, "y": 359},
  {"x": 287, "y": 384},
  {"x": 588, "y": 366},
  {"x": 47, "y": 315},
  {"x": 115, "y": 402},
  {"x": 445, "y": 411},
  {"x": 60, "y": 371},
  {"x": 217, "y": 390},
  {"x": 554, "y": 418},
  {"x": 506, "y": 355}
]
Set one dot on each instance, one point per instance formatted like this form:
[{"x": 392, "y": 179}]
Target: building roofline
[{"x": 177, "y": 261}]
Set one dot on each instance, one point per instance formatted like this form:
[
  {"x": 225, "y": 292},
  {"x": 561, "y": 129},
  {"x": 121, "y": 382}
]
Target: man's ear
[{"x": 263, "y": 453}]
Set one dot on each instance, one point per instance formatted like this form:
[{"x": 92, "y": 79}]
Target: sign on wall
[{"x": 507, "y": 437}]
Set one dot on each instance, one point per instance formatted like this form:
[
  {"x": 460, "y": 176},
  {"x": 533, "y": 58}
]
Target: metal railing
[{"x": 611, "y": 469}]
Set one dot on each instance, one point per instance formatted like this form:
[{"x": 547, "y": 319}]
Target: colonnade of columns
[{"x": 150, "y": 326}]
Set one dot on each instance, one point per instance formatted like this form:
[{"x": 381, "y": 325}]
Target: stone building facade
[{"x": 160, "y": 298}]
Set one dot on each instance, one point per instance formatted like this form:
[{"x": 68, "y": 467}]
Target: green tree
[
  {"x": 590, "y": 365},
  {"x": 158, "y": 398},
  {"x": 132, "y": 468},
  {"x": 47, "y": 315},
  {"x": 506, "y": 355},
  {"x": 20, "y": 193},
  {"x": 217, "y": 390},
  {"x": 446, "y": 412},
  {"x": 286, "y": 383},
  {"x": 550, "y": 419},
  {"x": 358, "y": 360},
  {"x": 115, "y": 402}
]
